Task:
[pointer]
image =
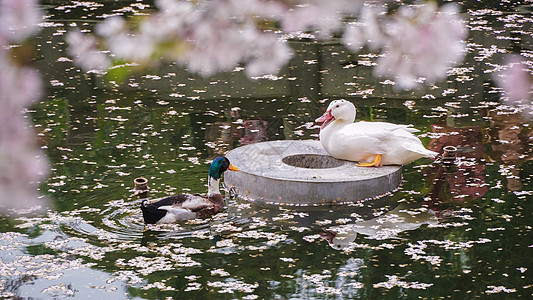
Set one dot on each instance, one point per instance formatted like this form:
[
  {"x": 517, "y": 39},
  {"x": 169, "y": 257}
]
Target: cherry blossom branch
[
  {"x": 22, "y": 165},
  {"x": 417, "y": 43},
  {"x": 516, "y": 81}
]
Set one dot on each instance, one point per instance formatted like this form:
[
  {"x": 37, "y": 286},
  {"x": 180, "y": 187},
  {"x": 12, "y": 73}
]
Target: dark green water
[{"x": 458, "y": 232}]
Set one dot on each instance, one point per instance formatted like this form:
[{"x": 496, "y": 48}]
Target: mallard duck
[
  {"x": 369, "y": 143},
  {"x": 190, "y": 206}
]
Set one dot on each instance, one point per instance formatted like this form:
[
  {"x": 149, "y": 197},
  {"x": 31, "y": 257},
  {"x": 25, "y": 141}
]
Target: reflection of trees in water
[
  {"x": 465, "y": 180},
  {"x": 509, "y": 137},
  {"x": 222, "y": 136},
  {"x": 243, "y": 126}
]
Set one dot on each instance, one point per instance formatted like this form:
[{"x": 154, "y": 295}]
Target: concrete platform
[{"x": 301, "y": 173}]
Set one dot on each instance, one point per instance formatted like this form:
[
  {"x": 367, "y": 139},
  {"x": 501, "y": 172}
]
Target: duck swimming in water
[
  {"x": 372, "y": 144},
  {"x": 190, "y": 206}
]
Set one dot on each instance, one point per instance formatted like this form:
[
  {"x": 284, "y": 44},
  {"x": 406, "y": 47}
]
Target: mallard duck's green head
[{"x": 220, "y": 165}]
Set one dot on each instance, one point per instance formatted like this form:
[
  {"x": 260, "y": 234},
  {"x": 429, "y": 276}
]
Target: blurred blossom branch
[
  {"x": 516, "y": 81},
  {"x": 417, "y": 43},
  {"x": 22, "y": 165}
]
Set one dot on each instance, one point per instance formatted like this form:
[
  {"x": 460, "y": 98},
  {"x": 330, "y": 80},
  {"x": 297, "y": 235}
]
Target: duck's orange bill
[{"x": 233, "y": 168}]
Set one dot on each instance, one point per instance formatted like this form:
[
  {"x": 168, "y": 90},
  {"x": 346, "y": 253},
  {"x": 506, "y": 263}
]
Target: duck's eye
[{"x": 337, "y": 106}]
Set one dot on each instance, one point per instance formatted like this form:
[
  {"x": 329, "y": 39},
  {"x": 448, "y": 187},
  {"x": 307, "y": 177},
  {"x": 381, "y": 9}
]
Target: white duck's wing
[
  {"x": 357, "y": 144},
  {"x": 403, "y": 147},
  {"x": 373, "y": 133},
  {"x": 398, "y": 145},
  {"x": 410, "y": 142},
  {"x": 364, "y": 125}
]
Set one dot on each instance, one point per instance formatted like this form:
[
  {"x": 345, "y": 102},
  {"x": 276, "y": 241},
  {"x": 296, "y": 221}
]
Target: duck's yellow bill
[{"x": 232, "y": 168}]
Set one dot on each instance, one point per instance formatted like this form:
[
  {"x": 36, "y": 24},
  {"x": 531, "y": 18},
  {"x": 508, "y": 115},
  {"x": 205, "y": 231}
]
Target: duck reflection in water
[
  {"x": 387, "y": 226},
  {"x": 221, "y": 136}
]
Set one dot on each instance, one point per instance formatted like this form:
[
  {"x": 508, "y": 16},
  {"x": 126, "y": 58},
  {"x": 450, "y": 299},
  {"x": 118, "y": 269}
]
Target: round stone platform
[{"x": 296, "y": 172}]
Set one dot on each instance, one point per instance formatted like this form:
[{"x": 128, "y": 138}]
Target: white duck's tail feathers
[
  {"x": 431, "y": 154},
  {"x": 420, "y": 150},
  {"x": 408, "y": 128},
  {"x": 411, "y": 128}
]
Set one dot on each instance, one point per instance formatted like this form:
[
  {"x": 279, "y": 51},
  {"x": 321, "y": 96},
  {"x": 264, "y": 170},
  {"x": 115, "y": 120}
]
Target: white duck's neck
[
  {"x": 333, "y": 127},
  {"x": 213, "y": 186},
  {"x": 341, "y": 122},
  {"x": 328, "y": 136}
]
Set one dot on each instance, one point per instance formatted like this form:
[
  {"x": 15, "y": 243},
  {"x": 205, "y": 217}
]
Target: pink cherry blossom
[
  {"x": 422, "y": 42},
  {"x": 267, "y": 55},
  {"x": 325, "y": 17},
  {"x": 22, "y": 164},
  {"x": 367, "y": 31},
  {"x": 216, "y": 36},
  {"x": 84, "y": 49},
  {"x": 417, "y": 41},
  {"x": 516, "y": 80},
  {"x": 19, "y": 19}
]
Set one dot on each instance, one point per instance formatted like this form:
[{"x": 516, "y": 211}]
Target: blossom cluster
[
  {"x": 219, "y": 35},
  {"x": 209, "y": 37},
  {"x": 418, "y": 42},
  {"x": 516, "y": 81},
  {"x": 22, "y": 164}
]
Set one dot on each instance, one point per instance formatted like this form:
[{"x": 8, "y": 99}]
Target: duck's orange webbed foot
[{"x": 375, "y": 163}]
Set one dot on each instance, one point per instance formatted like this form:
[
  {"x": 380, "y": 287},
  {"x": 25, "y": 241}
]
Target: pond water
[{"x": 462, "y": 231}]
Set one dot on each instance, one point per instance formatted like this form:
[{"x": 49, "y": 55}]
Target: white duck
[{"x": 369, "y": 143}]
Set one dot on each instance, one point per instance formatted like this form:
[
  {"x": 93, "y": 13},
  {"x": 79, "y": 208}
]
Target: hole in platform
[{"x": 312, "y": 161}]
